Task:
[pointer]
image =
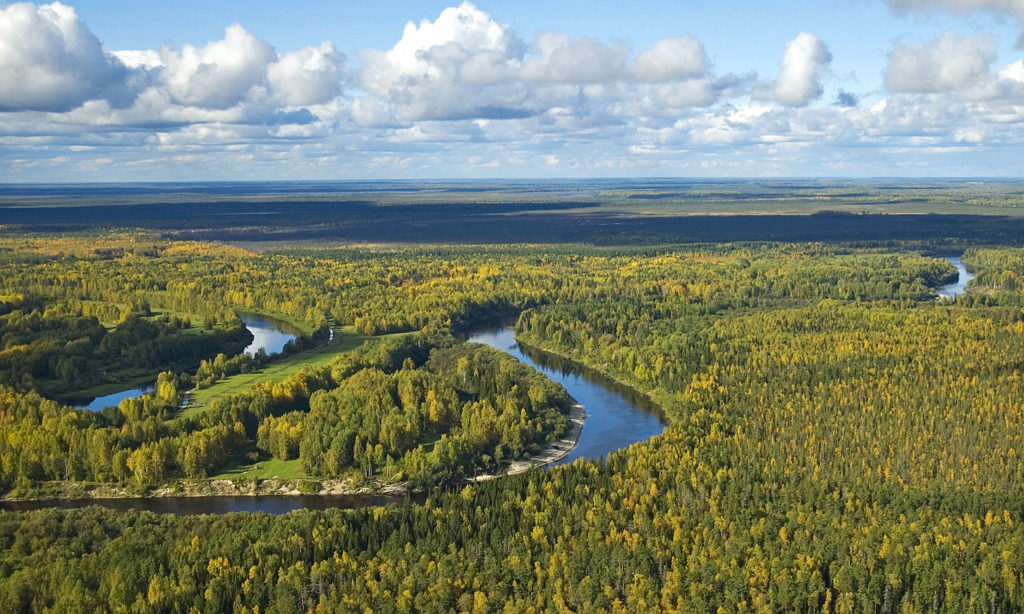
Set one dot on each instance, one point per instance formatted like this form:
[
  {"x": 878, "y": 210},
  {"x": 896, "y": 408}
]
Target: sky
[{"x": 264, "y": 90}]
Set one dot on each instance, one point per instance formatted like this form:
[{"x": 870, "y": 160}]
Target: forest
[{"x": 839, "y": 439}]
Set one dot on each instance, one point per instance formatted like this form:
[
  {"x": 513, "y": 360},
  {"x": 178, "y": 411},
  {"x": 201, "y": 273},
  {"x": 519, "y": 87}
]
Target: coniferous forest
[{"x": 838, "y": 438}]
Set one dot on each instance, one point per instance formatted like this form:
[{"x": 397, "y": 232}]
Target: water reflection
[
  {"x": 109, "y": 400},
  {"x": 269, "y": 334}
]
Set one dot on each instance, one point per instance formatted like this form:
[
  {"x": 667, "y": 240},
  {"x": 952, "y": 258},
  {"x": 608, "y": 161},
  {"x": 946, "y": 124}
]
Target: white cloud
[
  {"x": 457, "y": 66},
  {"x": 577, "y": 60},
  {"x": 218, "y": 75},
  {"x": 370, "y": 112},
  {"x": 311, "y": 75},
  {"x": 50, "y": 61},
  {"x": 462, "y": 36},
  {"x": 139, "y": 58},
  {"x": 683, "y": 94},
  {"x": 468, "y": 65},
  {"x": 948, "y": 63},
  {"x": 464, "y": 88},
  {"x": 669, "y": 59},
  {"x": 799, "y": 80}
]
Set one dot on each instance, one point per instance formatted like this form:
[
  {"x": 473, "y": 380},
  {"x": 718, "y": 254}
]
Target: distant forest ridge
[{"x": 607, "y": 211}]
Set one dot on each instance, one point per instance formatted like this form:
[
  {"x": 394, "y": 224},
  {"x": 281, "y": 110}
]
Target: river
[
  {"x": 960, "y": 285},
  {"x": 616, "y": 417}
]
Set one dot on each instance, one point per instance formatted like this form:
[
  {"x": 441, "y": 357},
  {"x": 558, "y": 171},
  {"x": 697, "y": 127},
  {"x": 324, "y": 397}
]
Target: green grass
[
  {"x": 262, "y": 470},
  {"x": 345, "y": 340}
]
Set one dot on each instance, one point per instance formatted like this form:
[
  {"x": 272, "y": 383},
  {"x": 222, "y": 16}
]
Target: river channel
[
  {"x": 960, "y": 285},
  {"x": 616, "y": 417}
]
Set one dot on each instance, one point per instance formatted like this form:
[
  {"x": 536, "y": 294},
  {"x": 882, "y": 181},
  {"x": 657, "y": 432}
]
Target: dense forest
[{"x": 839, "y": 440}]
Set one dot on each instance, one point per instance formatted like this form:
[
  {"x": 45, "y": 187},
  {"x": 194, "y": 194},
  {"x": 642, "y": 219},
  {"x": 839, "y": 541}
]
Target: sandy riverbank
[{"x": 554, "y": 451}]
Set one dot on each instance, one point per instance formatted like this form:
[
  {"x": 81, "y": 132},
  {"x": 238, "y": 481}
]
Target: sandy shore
[{"x": 554, "y": 451}]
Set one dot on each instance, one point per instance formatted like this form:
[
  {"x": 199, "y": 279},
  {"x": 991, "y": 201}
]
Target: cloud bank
[
  {"x": 799, "y": 81},
  {"x": 465, "y": 94}
]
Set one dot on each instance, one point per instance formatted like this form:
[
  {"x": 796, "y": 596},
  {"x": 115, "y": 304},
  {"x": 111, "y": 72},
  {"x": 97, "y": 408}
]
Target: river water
[
  {"x": 960, "y": 285},
  {"x": 267, "y": 333},
  {"x": 617, "y": 417}
]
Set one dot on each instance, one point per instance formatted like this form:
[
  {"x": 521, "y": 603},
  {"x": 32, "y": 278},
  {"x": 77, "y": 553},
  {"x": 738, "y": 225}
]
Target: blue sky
[{"x": 113, "y": 91}]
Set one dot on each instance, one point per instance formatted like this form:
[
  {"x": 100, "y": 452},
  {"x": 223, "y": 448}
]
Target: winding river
[
  {"x": 960, "y": 285},
  {"x": 617, "y": 417}
]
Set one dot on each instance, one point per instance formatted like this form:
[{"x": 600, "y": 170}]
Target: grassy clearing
[
  {"x": 345, "y": 340},
  {"x": 262, "y": 470},
  {"x": 277, "y": 371}
]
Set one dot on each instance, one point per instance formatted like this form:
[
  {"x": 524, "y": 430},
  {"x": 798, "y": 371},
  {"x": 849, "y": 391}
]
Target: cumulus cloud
[
  {"x": 468, "y": 65},
  {"x": 464, "y": 90},
  {"x": 576, "y": 60},
  {"x": 1007, "y": 8},
  {"x": 50, "y": 61},
  {"x": 948, "y": 63},
  {"x": 669, "y": 59},
  {"x": 241, "y": 67},
  {"x": 464, "y": 43},
  {"x": 799, "y": 80},
  {"x": 147, "y": 59},
  {"x": 218, "y": 75},
  {"x": 455, "y": 67},
  {"x": 311, "y": 75}
]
